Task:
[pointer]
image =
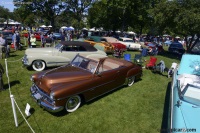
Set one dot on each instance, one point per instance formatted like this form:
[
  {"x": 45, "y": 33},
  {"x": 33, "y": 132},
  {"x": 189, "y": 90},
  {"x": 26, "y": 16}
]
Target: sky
[{"x": 7, "y": 4}]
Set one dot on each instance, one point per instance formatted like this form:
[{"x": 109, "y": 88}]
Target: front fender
[
  {"x": 136, "y": 71},
  {"x": 73, "y": 88},
  {"x": 48, "y": 59}
]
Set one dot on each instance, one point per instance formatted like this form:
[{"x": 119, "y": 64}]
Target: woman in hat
[{"x": 33, "y": 40}]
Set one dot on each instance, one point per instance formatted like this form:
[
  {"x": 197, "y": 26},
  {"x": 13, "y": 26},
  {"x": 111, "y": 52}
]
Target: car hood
[
  {"x": 190, "y": 115},
  {"x": 52, "y": 79}
]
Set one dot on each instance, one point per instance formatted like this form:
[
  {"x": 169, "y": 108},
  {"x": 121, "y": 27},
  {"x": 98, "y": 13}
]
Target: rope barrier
[
  {"x": 24, "y": 116},
  {"x": 12, "y": 99}
]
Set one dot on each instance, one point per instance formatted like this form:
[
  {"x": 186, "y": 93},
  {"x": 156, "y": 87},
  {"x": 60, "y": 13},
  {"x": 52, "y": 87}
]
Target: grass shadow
[
  {"x": 13, "y": 83},
  {"x": 164, "y": 127},
  {"x": 64, "y": 112},
  {"x": 171, "y": 55}
]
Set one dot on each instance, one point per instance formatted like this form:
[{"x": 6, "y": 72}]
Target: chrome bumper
[
  {"x": 40, "y": 99},
  {"x": 25, "y": 61}
]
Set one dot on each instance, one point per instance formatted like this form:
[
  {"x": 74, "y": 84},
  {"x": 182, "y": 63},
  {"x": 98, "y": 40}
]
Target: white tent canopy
[
  {"x": 71, "y": 27},
  {"x": 43, "y": 26},
  {"x": 64, "y": 27},
  {"x": 131, "y": 32},
  {"x": 49, "y": 26},
  {"x": 93, "y": 29},
  {"x": 12, "y": 22},
  {"x": 84, "y": 29}
]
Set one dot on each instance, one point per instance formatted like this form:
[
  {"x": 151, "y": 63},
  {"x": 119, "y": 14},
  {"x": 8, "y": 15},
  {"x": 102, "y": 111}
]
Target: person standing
[
  {"x": 43, "y": 40},
  {"x": 29, "y": 38},
  {"x": 62, "y": 38},
  {"x": 2, "y": 45},
  {"x": 33, "y": 40},
  {"x": 14, "y": 40},
  {"x": 18, "y": 41}
]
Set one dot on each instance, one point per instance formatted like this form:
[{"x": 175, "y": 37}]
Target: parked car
[
  {"x": 61, "y": 54},
  {"x": 168, "y": 42},
  {"x": 57, "y": 36},
  {"x": 176, "y": 48},
  {"x": 96, "y": 42},
  {"x": 185, "y": 96},
  {"x": 114, "y": 42},
  {"x": 8, "y": 36},
  {"x": 82, "y": 80},
  {"x": 36, "y": 34},
  {"x": 155, "y": 45},
  {"x": 130, "y": 44}
]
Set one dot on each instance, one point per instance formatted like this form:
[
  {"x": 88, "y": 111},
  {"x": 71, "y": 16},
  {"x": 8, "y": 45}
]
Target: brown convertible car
[{"x": 84, "y": 79}]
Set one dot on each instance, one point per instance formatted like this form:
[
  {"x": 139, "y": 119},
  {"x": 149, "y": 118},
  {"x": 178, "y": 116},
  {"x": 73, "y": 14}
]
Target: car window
[
  {"x": 128, "y": 40},
  {"x": 73, "y": 48},
  {"x": 58, "y": 46},
  {"x": 67, "y": 48},
  {"x": 81, "y": 48},
  {"x": 103, "y": 40},
  {"x": 120, "y": 39}
]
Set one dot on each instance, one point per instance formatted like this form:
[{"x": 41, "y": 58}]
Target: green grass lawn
[{"x": 135, "y": 109}]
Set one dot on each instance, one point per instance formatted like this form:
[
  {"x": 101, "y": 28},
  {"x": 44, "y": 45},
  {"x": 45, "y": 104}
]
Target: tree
[
  {"x": 46, "y": 9},
  {"x": 77, "y": 9},
  {"x": 5, "y": 15},
  {"x": 24, "y": 15},
  {"x": 108, "y": 14},
  {"x": 120, "y": 14},
  {"x": 179, "y": 17}
]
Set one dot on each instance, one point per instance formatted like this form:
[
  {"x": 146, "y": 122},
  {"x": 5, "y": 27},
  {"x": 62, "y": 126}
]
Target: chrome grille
[{"x": 35, "y": 90}]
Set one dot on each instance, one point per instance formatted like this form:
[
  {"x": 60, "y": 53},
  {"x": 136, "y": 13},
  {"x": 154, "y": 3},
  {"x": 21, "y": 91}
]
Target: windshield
[
  {"x": 85, "y": 63},
  {"x": 189, "y": 87},
  {"x": 58, "y": 46}
]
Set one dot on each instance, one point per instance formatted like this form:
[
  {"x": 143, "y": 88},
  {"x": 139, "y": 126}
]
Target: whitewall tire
[
  {"x": 38, "y": 65},
  {"x": 73, "y": 103}
]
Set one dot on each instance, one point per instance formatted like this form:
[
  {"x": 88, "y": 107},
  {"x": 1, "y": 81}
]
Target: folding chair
[
  {"x": 151, "y": 63},
  {"x": 138, "y": 59}
]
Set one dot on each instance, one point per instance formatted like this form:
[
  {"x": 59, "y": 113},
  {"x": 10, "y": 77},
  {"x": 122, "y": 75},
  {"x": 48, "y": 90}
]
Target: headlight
[{"x": 52, "y": 95}]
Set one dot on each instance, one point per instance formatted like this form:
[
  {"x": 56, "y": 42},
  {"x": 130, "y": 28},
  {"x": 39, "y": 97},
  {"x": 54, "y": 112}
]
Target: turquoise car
[{"x": 185, "y": 96}]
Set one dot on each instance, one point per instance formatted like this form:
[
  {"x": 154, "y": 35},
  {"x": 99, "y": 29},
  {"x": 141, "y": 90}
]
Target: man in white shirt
[
  {"x": 2, "y": 45},
  {"x": 2, "y": 40}
]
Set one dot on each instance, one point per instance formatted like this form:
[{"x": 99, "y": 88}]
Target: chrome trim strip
[
  {"x": 85, "y": 91},
  {"x": 105, "y": 92}
]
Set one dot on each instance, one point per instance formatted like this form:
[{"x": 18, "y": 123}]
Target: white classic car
[
  {"x": 61, "y": 54},
  {"x": 130, "y": 44}
]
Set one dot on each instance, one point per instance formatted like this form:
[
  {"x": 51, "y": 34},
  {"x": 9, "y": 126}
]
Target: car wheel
[
  {"x": 131, "y": 81},
  {"x": 73, "y": 103},
  {"x": 38, "y": 65}
]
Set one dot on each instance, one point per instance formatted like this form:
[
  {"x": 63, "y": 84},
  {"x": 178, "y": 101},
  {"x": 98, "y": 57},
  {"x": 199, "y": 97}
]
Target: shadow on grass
[
  {"x": 164, "y": 74},
  {"x": 13, "y": 83},
  {"x": 171, "y": 55},
  {"x": 164, "y": 127},
  {"x": 63, "y": 112}
]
